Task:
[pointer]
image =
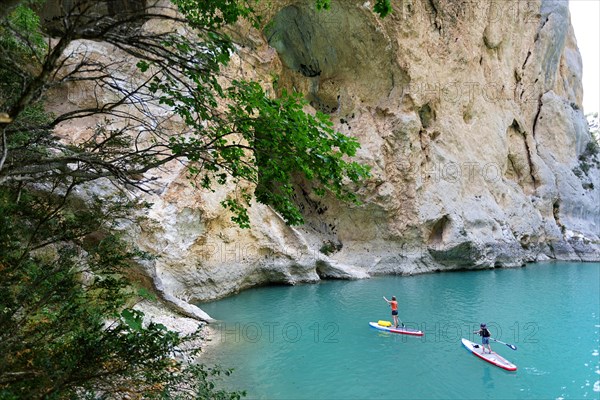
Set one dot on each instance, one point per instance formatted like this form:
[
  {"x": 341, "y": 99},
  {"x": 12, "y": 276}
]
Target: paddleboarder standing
[
  {"x": 485, "y": 337},
  {"x": 394, "y": 305}
]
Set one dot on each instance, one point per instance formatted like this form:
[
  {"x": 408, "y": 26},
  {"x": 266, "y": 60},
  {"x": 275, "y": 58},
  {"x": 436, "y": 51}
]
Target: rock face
[{"x": 469, "y": 114}]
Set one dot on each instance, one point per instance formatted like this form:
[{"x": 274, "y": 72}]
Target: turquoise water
[{"x": 314, "y": 342}]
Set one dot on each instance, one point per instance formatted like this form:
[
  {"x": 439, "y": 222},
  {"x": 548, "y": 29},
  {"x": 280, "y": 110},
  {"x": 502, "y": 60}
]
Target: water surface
[{"x": 314, "y": 342}]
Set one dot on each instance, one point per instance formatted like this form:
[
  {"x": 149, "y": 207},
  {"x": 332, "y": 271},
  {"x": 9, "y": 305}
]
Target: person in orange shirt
[{"x": 394, "y": 304}]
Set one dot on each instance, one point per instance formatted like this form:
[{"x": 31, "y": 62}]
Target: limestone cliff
[{"x": 469, "y": 114}]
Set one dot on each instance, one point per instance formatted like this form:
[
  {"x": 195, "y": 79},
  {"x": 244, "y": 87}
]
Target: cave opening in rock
[
  {"x": 332, "y": 56},
  {"x": 436, "y": 236}
]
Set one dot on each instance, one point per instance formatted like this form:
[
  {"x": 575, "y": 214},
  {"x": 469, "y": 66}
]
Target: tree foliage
[
  {"x": 381, "y": 7},
  {"x": 225, "y": 128},
  {"x": 67, "y": 327}
]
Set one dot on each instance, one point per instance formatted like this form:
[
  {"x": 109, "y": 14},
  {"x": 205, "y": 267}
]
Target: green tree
[
  {"x": 227, "y": 130},
  {"x": 67, "y": 329}
]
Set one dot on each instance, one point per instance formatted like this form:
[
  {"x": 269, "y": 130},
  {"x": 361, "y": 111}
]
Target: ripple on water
[
  {"x": 595, "y": 353},
  {"x": 535, "y": 371}
]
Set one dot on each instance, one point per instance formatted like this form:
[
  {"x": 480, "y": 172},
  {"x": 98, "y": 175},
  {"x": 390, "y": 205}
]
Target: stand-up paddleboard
[
  {"x": 400, "y": 330},
  {"x": 492, "y": 358}
]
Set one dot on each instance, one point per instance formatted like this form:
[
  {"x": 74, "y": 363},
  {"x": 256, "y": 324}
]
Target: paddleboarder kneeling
[
  {"x": 485, "y": 337},
  {"x": 394, "y": 304}
]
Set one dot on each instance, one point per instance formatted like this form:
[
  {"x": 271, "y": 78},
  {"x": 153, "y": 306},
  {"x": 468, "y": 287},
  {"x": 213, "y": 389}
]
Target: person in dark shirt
[{"x": 485, "y": 337}]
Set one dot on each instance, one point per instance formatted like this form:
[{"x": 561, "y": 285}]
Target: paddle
[{"x": 512, "y": 346}]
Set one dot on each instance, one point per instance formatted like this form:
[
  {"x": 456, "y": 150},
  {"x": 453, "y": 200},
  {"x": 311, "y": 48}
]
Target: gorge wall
[{"x": 469, "y": 114}]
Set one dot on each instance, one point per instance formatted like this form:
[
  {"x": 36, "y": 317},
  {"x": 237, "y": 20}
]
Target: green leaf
[
  {"x": 143, "y": 65},
  {"x": 323, "y": 4},
  {"x": 133, "y": 319},
  {"x": 382, "y": 7}
]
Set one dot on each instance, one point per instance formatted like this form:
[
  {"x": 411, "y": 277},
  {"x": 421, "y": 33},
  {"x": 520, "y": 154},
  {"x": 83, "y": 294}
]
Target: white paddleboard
[
  {"x": 400, "y": 330},
  {"x": 492, "y": 358}
]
